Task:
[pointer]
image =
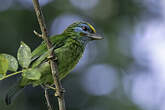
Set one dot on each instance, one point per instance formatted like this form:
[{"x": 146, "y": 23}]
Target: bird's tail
[{"x": 12, "y": 93}]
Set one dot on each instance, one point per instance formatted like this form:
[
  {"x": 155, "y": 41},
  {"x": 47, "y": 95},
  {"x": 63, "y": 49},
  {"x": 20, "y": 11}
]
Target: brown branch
[{"x": 59, "y": 90}]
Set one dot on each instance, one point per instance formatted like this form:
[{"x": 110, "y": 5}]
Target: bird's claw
[
  {"x": 52, "y": 57},
  {"x": 58, "y": 93},
  {"x": 50, "y": 87}
]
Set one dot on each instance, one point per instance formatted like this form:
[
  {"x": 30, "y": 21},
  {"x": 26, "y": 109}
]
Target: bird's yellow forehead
[{"x": 92, "y": 28}]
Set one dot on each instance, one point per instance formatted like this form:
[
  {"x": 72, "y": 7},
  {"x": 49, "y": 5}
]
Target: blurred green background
[{"x": 125, "y": 71}]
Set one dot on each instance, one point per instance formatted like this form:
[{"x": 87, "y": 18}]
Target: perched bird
[{"x": 68, "y": 48}]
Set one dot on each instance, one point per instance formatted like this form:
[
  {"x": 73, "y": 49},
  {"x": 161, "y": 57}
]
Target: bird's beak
[{"x": 95, "y": 36}]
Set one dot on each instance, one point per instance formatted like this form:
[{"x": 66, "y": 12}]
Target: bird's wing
[
  {"x": 41, "y": 52},
  {"x": 57, "y": 42}
]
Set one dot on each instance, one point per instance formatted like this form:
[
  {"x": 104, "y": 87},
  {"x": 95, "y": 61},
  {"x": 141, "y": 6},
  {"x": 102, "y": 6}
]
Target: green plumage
[
  {"x": 68, "y": 55},
  {"x": 68, "y": 48}
]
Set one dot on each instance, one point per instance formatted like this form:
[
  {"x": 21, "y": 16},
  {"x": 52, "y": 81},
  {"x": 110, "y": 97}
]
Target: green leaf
[
  {"x": 24, "y": 55},
  {"x": 12, "y": 62},
  {"x": 3, "y": 65},
  {"x": 32, "y": 74}
]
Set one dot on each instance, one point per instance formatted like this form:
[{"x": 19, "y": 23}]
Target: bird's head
[{"x": 83, "y": 32}]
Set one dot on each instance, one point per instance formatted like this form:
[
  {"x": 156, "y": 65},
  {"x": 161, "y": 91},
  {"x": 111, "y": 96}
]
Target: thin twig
[
  {"x": 47, "y": 100},
  {"x": 59, "y": 90},
  {"x": 47, "y": 97},
  {"x": 37, "y": 34}
]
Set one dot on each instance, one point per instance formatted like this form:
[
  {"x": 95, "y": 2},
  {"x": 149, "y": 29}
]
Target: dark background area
[{"x": 125, "y": 71}]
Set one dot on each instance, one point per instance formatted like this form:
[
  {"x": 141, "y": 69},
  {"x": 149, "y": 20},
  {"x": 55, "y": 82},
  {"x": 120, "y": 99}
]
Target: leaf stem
[{"x": 12, "y": 74}]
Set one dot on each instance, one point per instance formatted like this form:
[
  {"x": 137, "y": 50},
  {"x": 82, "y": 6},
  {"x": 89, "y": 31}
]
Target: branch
[
  {"x": 47, "y": 97},
  {"x": 47, "y": 100},
  {"x": 59, "y": 90}
]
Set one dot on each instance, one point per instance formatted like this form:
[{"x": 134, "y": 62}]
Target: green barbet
[{"x": 68, "y": 48}]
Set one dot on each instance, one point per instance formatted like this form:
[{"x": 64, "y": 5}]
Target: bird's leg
[
  {"x": 48, "y": 87},
  {"x": 51, "y": 57},
  {"x": 62, "y": 92},
  {"x": 51, "y": 87}
]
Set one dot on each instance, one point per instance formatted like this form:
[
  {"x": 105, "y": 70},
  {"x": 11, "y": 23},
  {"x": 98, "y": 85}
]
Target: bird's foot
[
  {"x": 50, "y": 87},
  {"x": 52, "y": 57},
  {"x": 58, "y": 93}
]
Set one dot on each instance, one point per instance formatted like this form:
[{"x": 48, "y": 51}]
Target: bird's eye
[{"x": 84, "y": 28}]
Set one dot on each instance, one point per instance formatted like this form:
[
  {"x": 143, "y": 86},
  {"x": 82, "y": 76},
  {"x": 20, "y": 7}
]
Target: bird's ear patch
[{"x": 93, "y": 29}]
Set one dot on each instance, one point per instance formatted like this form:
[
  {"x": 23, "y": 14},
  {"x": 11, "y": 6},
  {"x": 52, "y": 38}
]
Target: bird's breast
[{"x": 68, "y": 56}]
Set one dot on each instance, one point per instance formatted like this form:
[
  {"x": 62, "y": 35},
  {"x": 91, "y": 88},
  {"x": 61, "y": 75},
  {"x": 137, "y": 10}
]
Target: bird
[{"x": 68, "y": 47}]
